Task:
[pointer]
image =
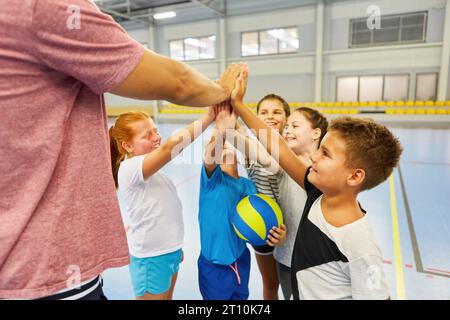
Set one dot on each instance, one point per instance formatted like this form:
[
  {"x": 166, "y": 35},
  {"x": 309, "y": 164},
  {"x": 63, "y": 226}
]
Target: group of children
[{"x": 325, "y": 249}]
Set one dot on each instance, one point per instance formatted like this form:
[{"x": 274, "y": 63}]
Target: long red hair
[{"x": 122, "y": 130}]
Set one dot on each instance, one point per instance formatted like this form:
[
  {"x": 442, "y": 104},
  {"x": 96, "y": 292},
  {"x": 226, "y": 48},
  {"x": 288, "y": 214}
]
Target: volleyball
[{"x": 254, "y": 216}]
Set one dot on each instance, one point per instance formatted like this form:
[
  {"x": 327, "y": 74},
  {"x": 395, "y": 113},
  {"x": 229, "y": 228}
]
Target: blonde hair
[{"x": 122, "y": 130}]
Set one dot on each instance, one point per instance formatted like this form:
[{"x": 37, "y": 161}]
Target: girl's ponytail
[
  {"x": 121, "y": 131},
  {"x": 116, "y": 156}
]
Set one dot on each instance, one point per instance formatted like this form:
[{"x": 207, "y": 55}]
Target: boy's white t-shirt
[{"x": 153, "y": 210}]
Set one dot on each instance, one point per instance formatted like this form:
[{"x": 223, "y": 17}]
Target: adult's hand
[
  {"x": 238, "y": 93},
  {"x": 229, "y": 76}
]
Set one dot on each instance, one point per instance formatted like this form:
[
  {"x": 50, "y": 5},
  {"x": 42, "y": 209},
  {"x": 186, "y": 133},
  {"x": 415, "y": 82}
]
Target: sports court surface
[{"x": 409, "y": 214}]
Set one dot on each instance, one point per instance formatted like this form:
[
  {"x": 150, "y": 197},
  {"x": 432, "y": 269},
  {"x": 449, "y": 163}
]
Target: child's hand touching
[
  {"x": 277, "y": 236},
  {"x": 238, "y": 93},
  {"x": 225, "y": 118},
  {"x": 210, "y": 115}
]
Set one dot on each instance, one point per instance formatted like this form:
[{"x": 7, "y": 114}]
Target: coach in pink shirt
[{"x": 60, "y": 223}]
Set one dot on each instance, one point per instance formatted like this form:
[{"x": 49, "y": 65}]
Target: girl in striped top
[{"x": 273, "y": 110}]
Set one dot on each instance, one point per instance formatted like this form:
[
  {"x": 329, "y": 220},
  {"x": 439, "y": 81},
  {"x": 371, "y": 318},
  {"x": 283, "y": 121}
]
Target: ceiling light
[{"x": 164, "y": 15}]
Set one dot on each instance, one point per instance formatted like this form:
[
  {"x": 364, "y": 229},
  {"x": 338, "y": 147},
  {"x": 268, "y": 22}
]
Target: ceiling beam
[
  {"x": 218, "y": 12},
  {"x": 124, "y": 16}
]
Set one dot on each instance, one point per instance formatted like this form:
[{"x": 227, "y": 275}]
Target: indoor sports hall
[
  {"x": 383, "y": 59},
  {"x": 225, "y": 150}
]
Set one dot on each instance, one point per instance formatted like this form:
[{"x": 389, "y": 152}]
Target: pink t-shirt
[{"x": 58, "y": 206}]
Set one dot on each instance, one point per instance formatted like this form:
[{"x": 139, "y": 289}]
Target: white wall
[
  {"x": 292, "y": 75},
  {"x": 448, "y": 89},
  {"x": 339, "y": 60}
]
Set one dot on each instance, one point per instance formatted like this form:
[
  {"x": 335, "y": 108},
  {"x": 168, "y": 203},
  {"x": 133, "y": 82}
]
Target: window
[
  {"x": 426, "y": 86},
  {"x": 396, "y": 87},
  {"x": 347, "y": 88},
  {"x": 272, "y": 41},
  {"x": 268, "y": 42},
  {"x": 395, "y": 29},
  {"x": 177, "y": 49},
  {"x": 249, "y": 44},
  {"x": 372, "y": 88},
  {"x": 208, "y": 47},
  {"x": 189, "y": 49}
]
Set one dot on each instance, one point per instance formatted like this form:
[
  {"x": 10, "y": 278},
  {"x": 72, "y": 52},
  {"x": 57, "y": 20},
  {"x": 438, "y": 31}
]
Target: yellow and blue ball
[{"x": 254, "y": 216}]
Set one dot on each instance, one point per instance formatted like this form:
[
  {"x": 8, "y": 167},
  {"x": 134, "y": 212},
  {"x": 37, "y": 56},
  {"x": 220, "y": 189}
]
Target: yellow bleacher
[{"x": 327, "y": 107}]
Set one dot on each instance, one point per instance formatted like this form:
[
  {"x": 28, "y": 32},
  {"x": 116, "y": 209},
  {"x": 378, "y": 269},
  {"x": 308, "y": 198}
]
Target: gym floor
[{"x": 408, "y": 213}]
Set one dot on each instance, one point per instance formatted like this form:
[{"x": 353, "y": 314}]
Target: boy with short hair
[{"x": 335, "y": 253}]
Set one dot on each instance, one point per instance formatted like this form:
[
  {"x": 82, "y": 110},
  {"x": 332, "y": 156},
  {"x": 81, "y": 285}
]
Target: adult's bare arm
[{"x": 159, "y": 77}]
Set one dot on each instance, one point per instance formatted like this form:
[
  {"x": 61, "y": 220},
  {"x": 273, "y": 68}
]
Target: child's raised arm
[
  {"x": 213, "y": 152},
  {"x": 294, "y": 167},
  {"x": 170, "y": 148},
  {"x": 226, "y": 122}
]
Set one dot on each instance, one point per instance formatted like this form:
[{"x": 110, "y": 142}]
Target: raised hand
[
  {"x": 238, "y": 93},
  {"x": 229, "y": 76},
  {"x": 210, "y": 115},
  {"x": 225, "y": 117}
]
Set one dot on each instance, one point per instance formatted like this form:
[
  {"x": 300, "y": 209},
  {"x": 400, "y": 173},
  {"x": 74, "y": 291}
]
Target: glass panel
[
  {"x": 288, "y": 40},
  {"x": 361, "y": 38},
  {"x": 249, "y": 44},
  {"x": 208, "y": 47},
  {"x": 418, "y": 19},
  {"x": 412, "y": 33},
  {"x": 396, "y": 87},
  {"x": 385, "y": 35},
  {"x": 347, "y": 89},
  {"x": 370, "y": 88},
  {"x": 192, "y": 48},
  {"x": 176, "y": 49},
  {"x": 390, "y": 22},
  {"x": 426, "y": 86},
  {"x": 269, "y": 41},
  {"x": 360, "y": 25}
]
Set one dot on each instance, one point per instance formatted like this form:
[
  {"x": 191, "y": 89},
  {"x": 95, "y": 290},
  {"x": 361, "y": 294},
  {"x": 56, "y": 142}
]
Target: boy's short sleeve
[
  {"x": 75, "y": 38},
  {"x": 213, "y": 180},
  {"x": 367, "y": 278}
]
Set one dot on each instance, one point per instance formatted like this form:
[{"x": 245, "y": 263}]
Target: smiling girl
[
  {"x": 155, "y": 236},
  {"x": 273, "y": 110}
]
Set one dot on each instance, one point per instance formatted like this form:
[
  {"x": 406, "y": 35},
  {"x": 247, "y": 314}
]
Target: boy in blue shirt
[{"x": 224, "y": 262}]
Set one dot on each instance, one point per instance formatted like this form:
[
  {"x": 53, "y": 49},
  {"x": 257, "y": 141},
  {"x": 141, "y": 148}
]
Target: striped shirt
[{"x": 265, "y": 181}]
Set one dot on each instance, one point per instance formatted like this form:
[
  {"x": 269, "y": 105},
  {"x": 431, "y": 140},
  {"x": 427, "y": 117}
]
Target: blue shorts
[
  {"x": 221, "y": 282},
  {"x": 154, "y": 275}
]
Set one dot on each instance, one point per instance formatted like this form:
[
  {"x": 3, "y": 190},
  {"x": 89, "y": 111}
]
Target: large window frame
[
  {"x": 199, "y": 38},
  {"x": 383, "y": 98},
  {"x": 278, "y": 52},
  {"x": 399, "y": 40}
]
